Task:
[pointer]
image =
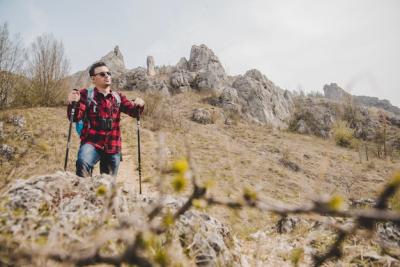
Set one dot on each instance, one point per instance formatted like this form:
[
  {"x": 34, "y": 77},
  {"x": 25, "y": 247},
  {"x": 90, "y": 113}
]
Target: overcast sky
[{"x": 296, "y": 44}]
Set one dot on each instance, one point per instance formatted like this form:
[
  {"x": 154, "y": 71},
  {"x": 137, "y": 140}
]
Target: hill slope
[{"x": 279, "y": 165}]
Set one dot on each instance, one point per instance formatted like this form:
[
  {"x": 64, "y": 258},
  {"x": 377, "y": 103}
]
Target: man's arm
[{"x": 131, "y": 107}]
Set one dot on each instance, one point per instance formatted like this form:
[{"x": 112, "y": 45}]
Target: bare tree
[
  {"x": 11, "y": 55},
  {"x": 47, "y": 70}
]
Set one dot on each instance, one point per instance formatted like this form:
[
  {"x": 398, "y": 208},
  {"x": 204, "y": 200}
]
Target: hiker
[{"x": 99, "y": 109}]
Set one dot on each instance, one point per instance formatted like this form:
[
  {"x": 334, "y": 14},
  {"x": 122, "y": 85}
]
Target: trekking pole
[
  {"x": 69, "y": 133},
  {"x": 139, "y": 160}
]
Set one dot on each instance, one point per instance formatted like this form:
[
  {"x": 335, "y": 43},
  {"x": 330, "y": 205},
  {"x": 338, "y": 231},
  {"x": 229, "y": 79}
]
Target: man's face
[{"x": 101, "y": 78}]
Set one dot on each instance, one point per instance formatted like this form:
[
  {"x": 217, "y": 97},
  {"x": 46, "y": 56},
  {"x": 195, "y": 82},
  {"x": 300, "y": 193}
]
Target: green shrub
[{"x": 343, "y": 134}]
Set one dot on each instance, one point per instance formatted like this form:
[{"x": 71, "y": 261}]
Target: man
[{"x": 101, "y": 135}]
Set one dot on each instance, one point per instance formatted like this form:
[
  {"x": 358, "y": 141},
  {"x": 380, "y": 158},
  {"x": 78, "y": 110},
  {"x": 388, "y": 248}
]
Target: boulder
[
  {"x": 181, "y": 81},
  {"x": 7, "y": 151},
  {"x": 388, "y": 235},
  {"x": 202, "y": 116},
  {"x": 229, "y": 99},
  {"x": 206, "y": 239},
  {"x": 17, "y": 120},
  {"x": 287, "y": 224}
]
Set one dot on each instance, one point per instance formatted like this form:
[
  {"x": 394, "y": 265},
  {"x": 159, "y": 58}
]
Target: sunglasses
[{"x": 103, "y": 74}]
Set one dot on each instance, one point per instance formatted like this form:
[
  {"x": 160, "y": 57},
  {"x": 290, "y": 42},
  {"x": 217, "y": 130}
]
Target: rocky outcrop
[
  {"x": 251, "y": 95},
  {"x": 261, "y": 101},
  {"x": 210, "y": 73},
  {"x": 115, "y": 62},
  {"x": 207, "y": 239},
  {"x": 62, "y": 209},
  {"x": 378, "y": 103},
  {"x": 182, "y": 81},
  {"x": 336, "y": 93},
  {"x": 183, "y": 64},
  {"x": 150, "y": 66},
  {"x": 314, "y": 116},
  {"x": 317, "y": 116},
  {"x": 229, "y": 99},
  {"x": 202, "y": 116},
  {"x": 137, "y": 79}
]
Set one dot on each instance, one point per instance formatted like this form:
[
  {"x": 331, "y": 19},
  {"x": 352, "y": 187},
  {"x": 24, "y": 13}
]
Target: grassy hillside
[
  {"x": 234, "y": 155},
  {"x": 279, "y": 165}
]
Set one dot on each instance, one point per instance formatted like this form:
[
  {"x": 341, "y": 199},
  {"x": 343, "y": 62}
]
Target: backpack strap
[
  {"x": 89, "y": 100},
  {"x": 117, "y": 97}
]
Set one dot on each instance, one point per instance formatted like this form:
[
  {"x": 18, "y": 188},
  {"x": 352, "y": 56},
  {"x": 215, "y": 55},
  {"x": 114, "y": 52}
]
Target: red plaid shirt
[{"x": 107, "y": 107}]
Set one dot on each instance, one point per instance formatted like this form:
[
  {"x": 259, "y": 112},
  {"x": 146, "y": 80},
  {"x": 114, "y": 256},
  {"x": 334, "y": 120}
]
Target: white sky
[{"x": 296, "y": 44}]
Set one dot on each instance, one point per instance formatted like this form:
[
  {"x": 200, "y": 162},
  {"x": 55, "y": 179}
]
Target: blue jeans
[{"x": 88, "y": 156}]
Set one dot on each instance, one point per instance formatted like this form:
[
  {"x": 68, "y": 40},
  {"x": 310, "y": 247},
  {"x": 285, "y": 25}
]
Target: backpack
[{"x": 90, "y": 95}]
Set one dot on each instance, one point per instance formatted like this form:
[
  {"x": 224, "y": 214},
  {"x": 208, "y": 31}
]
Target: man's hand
[
  {"x": 74, "y": 96},
  {"x": 138, "y": 101}
]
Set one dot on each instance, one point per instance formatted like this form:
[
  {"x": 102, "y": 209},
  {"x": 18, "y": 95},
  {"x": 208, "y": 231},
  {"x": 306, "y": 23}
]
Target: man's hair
[{"x": 96, "y": 65}]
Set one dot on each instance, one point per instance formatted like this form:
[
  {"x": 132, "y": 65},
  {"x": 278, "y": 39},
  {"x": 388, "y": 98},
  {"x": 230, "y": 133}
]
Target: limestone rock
[
  {"x": 211, "y": 73},
  {"x": 314, "y": 116},
  {"x": 336, "y": 93},
  {"x": 135, "y": 79},
  {"x": 183, "y": 64},
  {"x": 209, "y": 81},
  {"x": 150, "y": 66},
  {"x": 16, "y": 120},
  {"x": 261, "y": 101},
  {"x": 317, "y": 116},
  {"x": 378, "y": 103},
  {"x": 115, "y": 62},
  {"x": 388, "y": 235},
  {"x": 206, "y": 239},
  {"x": 7, "y": 151},
  {"x": 181, "y": 81},
  {"x": 229, "y": 99},
  {"x": 63, "y": 209},
  {"x": 287, "y": 224},
  {"x": 202, "y": 116}
]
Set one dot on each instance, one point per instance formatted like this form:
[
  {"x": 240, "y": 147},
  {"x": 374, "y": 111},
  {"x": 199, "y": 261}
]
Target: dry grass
[{"x": 233, "y": 156}]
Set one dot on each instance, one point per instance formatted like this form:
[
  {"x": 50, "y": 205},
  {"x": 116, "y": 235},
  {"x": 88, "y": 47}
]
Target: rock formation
[
  {"x": 336, "y": 93},
  {"x": 210, "y": 73},
  {"x": 62, "y": 209},
  {"x": 114, "y": 60},
  {"x": 260, "y": 100},
  {"x": 250, "y": 95},
  {"x": 150, "y": 66}
]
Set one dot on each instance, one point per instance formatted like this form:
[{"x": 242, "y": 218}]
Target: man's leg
[
  {"x": 88, "y": 156},
  {"x": 109, "y": 163}
]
